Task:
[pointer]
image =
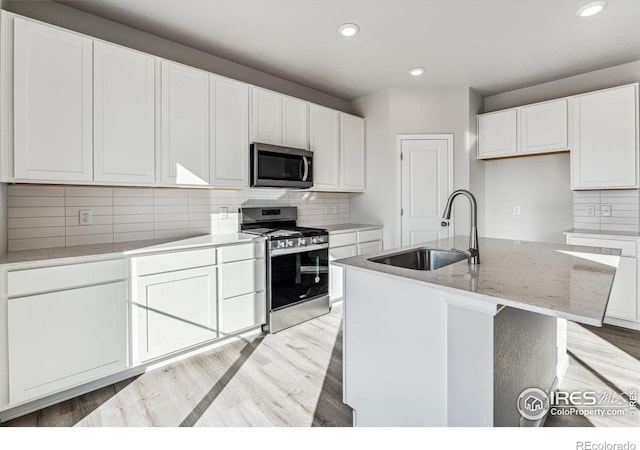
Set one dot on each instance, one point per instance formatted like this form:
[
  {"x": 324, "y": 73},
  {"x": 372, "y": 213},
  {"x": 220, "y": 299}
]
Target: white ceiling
[{"x": 490, "y": 45}]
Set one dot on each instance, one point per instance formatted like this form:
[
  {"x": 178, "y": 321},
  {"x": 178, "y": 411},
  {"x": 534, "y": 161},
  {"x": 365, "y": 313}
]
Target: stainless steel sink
[{"x": 422, "y": 258}]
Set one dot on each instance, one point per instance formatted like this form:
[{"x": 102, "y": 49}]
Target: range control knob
[
  {"x": 289, "y": 243},
  {"x": 281, "y": 244},
  {"x": 302, "y": 241}
]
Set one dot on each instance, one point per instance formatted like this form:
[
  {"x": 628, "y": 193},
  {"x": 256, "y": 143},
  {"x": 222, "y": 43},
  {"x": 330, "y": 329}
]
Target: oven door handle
[{"x": 289, "y": 251}]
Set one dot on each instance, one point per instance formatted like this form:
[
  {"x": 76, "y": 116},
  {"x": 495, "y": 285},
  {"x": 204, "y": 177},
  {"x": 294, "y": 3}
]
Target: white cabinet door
[
  {"x": 544, "y": 127},
  {"x": 623, "y": 298},
  {"x": 175, "y": 310},
  {"x": 369, "y": 247},
  {"x": 351, "y": 153},
  {"x": 266, "y": 117},
  {"x": 295, "y": 123},
  {"x": 185, "y": 125},
  {"x": 62, "y": 339},
  {"x": 605, "y": 139},
  {"x": 324, "y": 133},
  {"x": 336, "y": 282},
  {"x": 243, "y": 277},
  {"x": 52, "y": 104},
  {"x": 497, "y": 134},
  {"x": 244, "y": 311},
  {"x": 124, "y": 112},
  {"x": 229, "y": 132}
]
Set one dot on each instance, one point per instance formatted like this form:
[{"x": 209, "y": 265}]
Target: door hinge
[
  {"x": 401, "y": 156},
  {"x": 401, "y": 212}
]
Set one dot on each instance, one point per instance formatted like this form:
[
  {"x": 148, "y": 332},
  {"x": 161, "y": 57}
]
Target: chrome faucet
[{"x": 474, "y": 251}]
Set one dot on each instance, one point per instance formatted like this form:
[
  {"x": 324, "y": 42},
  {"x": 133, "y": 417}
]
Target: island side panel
[
  {"x": 394, "y": 351},
  {"x": 470, "y": 367},
  {"x": 525, "y": 356}
]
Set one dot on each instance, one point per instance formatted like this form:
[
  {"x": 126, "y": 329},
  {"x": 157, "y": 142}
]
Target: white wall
[
  {"x": 539, "y": 184},
  {"x": 408, "y": 111},
  {"x": 82, "y": 22}
]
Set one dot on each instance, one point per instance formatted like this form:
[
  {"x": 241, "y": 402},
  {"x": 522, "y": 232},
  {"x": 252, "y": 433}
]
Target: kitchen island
[{"x": 456, "y": 346}]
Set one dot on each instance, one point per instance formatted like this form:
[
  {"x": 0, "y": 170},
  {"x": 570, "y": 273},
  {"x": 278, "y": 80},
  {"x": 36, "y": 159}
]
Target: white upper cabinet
[
  {"x": 295, "y": 118},
  {"x": 324, "y": 136},
  {"x": 352, "y": 154},
  {"x": 279, "y": 120},
  {"x": 544, "y": 127},
  {"x": 605, "y": 139},
  {"x": 124, "y": 112},
  {"x": 266, "y": 117},
  {"x": 229, "y": 132},
  {"x": 185, "y": 125},
  {"x": 497, "y": 134},
  {"x": 52, "y": 103}
]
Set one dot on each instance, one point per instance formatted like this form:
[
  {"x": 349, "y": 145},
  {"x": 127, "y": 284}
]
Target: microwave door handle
[{"x": 306, "y": 168}]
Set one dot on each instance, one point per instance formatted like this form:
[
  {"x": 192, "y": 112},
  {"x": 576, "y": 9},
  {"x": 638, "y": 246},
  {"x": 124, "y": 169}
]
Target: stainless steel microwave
[{"x": 275, "y": 166}]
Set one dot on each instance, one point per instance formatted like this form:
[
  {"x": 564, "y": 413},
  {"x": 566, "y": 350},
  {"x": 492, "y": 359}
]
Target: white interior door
[{"x": 426, "y": 179}]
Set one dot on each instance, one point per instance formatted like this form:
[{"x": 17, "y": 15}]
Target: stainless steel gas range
[{"x": 297, "y": 265}]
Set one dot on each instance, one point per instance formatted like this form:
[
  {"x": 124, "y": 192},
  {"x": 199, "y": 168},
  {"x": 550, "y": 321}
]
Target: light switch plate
[
  {"x": 605, "y": 210},
  {"x": 224, "y": 213}
]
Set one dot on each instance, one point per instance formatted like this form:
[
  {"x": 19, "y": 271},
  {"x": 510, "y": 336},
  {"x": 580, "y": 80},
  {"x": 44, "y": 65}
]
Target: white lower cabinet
[
  {"x": 347, "y": 243},
  {"x": 62, "y": 339},
  {"x": 622, "y": 309},
  {"x": 336, "y": 283},
  {"x": 175, "y": 310},
  {"x": 242, "y": 291}
]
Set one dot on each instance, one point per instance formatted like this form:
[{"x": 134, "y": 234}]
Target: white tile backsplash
[
  {"x": 625, "y": 210},
  {"x": 48, "y": 216}
]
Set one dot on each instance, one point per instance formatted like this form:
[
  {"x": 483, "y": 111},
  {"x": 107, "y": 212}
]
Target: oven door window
[
  {"x": 299, "y": 277},
  {"x": 279, "y": 166}
]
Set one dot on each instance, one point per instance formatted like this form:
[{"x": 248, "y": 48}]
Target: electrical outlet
[
  {"x": 334, "y": 209},
  {"x": 86, "y": 216},
  {"x": 605, "y": 210},
  {"x": 327, "y": 210},
  {"x": 516, "y": 210},
  {"x": 224, "y": 213},
  {"x": 591, "y": 210}
]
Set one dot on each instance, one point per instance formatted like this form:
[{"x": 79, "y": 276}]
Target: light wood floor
[
  {"x": 294, "y": 378},
  {"x": 603, "y": 360}
]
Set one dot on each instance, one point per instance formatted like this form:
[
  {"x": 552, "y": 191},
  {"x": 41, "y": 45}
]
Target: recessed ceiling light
[
  {"x": 348, "y": 29},
  {"x": 417, "y": 71},
  {"x": 591, "y": 9}
]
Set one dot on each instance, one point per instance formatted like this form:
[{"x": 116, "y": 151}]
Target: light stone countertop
[
  {"x": 83, "y": 253},
  {"x": 604, "y": 233},
  {"x": 346, "y": 227},
  {"x": 567, "y": 281}
]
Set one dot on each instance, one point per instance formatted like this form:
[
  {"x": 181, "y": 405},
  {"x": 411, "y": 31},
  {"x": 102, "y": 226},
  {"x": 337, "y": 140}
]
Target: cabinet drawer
[
  {"x": 239, "y": 252},
  {"x": 44, "y": 279},
  {"x": 370, "y": 235},
  {"x": 167, "y": 262},
  {"x": 342, "y": 252},
  {"x": 338, "y": 240},
  {"x": 369, "y": 247},
  {"x": 62, "y": 339},
  {"x": 243, "y": 277},
  {"x": 243, "y": 312},
  {"x": 628, "y": 247}
]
